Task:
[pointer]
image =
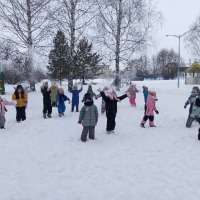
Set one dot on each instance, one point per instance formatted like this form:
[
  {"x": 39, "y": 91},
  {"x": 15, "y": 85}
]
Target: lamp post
[{"x": 179, "y": 52}]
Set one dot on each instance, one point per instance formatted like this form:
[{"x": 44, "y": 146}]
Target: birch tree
[
  {"x": 123, "y": 27},
  {"x": 25, "y": 24}
]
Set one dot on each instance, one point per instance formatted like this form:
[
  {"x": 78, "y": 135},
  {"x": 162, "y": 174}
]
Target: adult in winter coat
[
  {"x": 88, "y": 118},
  {"x": 191, "y": 101},
  {"x": 21, "y": 99},
  {"x": 131, "y": 92},
  {"x": 54, "y": 92},
  {"x": 195, "y": 113},
  {"x": 150, "y": 109},
  {"x": 111, "y": 101},
  {"x": 47, "y": 106},
  {"x": 61, "y": 98},
  {"x": 89, "y": 91},
  {"x": 75, "y": 97},
  {"x": 3, "y": 110}
]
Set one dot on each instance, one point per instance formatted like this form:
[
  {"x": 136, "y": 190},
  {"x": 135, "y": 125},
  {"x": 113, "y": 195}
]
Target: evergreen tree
[
  {"x": 59, "y": 58},
  {"x": 86, "y": 62}
]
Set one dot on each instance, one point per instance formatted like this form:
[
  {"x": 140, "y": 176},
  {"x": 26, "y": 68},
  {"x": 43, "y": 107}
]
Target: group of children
[{"x": 54, "y": 96}]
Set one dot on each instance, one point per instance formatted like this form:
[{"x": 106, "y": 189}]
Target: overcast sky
[{"x": 178, "y": 15}]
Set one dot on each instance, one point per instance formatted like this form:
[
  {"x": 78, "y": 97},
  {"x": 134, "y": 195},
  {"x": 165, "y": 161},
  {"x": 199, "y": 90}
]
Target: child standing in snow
[
  {"x": 191, "y": 101},
  {"x": 61, "y": 98},
  {"x": 75, "y": 97},
  {"x": 150, "y": 109},
  {"x": 54, "y": 92},
  {"x": 145, "y": 93},
  {"x": 21, "y": 99},
  {"x": 47, "y": 106},
  {"x": 111, "y": 100},
  {"x": 131, "y": 92},
  {"x": 3, "y": 110},
  {"x": 88, "y": 118},
  {"x": 103, "y": 104},
  {"x": 91, "y": 92}
]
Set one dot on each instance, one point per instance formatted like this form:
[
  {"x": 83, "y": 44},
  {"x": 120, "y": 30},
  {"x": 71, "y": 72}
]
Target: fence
[{"x": 192, "y": 78}]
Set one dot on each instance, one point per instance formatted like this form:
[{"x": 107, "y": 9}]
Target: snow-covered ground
[{"x": 45, "y": 160}]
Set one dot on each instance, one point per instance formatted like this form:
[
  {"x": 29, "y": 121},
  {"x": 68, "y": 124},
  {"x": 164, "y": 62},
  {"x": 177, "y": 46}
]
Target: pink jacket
[
  {"x": 3, "y": 104},
  {"x": 151, "y": 105}
]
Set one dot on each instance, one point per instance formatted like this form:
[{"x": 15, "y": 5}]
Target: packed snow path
[{"x": 45, "y": 160}]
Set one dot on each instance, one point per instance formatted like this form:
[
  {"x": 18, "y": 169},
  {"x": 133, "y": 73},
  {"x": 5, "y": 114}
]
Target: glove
[
  {"x": 79, "y": 122},
  {"x": 157, "y": 112},
  {"x": 185, "y": 106}
]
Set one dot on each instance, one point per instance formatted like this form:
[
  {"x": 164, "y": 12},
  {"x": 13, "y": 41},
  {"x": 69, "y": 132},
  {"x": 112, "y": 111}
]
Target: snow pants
[
  {"x": 75, "y": 105},
  {"x": 190, "y": 120},
  {"x": 132, "y": 101},
  {"x": 111, "y": 122},
  {"x": 47, "y": 108},
  {"x": 150, "y": 118},
  {"x": 86, "y": 130},
  {"x": 21, "y": 114},
  {"x": 2, "y": 121}
]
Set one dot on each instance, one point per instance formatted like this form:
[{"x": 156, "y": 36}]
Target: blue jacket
[
  {"x": 75, "y": 96},
  {"x": 145, "y": 93},
  {"x": 61, "y": 98}
]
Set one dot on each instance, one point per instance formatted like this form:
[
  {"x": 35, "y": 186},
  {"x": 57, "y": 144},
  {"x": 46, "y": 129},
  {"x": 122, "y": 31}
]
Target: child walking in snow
[
  {"x": 21, "y": 99},
  {"x": 61, "y": 98},
  {"x": 131, "y": 92},
  {"x": 75, "y": 97},
  {"x": 3, "y": 110},
  {"x": 191, "y": 101},
  {"x": 47, "y": 106},
  {"x": 150, "y": 109},
  {"x": 111, "y": 100},
  {"x": 88, "y": 118}
]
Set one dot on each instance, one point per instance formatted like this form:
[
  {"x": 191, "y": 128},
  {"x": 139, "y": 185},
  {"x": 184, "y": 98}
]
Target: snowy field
[{"x": 45, "y": 160}]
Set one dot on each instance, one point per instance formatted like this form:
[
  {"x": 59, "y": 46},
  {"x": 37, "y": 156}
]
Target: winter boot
[
  {"x": 49, "y": 115},
  {"x": 152, "y": 125},
  {"x": 44, "y": 116},
  {"x": 142, "y": 124}
]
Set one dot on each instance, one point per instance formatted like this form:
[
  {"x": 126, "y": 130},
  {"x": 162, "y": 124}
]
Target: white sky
[{"x": 178, "y": 16}]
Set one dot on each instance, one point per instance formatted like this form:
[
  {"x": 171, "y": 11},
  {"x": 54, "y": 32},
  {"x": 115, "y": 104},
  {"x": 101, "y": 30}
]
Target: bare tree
[
  {"x": 25, "y": 23},
  {"x": 193, "y": 38},
  {"x": 123, "y": 27}
]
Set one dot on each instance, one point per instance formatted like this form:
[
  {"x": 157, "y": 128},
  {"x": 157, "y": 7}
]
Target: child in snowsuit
[
  {"x": 88, "y": 118},
  {"x": 191, "y": 101},
  {"x": 61, "y": 98},
  {"x": 54, "y": 92},
  {"x": 103, "y": 104},
  {"x": 132, "y": 94},
  {"x": 89, "y": 91},
  {"x": 195, "y": 112},
  {"x": 47, "y": 106},
  {"x": 111, "y": 101},
  {"x": 150, "y": 109},
  {"x": 3, "y": 110},
  {"x": 21, "y": 99},
  {"x": 145, "y": 93},
  {"x": 75, "y": 97}
]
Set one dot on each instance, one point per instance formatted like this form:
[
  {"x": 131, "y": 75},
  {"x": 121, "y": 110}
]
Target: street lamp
[{"x": 179, "y": 51}]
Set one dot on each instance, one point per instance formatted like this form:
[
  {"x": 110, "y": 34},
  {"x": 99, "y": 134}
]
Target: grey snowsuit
[{"x": 88, "y": 118}]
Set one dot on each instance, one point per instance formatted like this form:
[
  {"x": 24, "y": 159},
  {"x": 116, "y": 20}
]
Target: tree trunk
[
  {"x": 118, "y": 43},
  {"x": 72, "y": 41},
  {"x": 29, "y": 40}
]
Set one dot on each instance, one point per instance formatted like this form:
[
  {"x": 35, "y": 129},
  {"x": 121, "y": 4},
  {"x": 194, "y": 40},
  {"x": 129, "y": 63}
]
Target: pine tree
[
  {"x": 59, "y": 57},
  {"x": 86, "y": 62}
]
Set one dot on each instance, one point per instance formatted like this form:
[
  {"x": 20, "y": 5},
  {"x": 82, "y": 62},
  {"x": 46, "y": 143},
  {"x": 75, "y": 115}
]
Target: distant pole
[{"x": 179, "y": 59}]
